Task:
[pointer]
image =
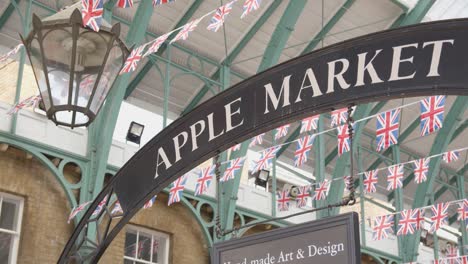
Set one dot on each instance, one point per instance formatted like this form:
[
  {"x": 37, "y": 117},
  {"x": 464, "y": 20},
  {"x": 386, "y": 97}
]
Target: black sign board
[{"x": 330, "y": 240}]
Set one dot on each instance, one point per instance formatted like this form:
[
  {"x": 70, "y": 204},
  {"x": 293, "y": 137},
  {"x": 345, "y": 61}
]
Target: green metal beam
[
  {"x": 416, "y": 15},
  {"x": 147, "y": 67},
  {"x": 234, "y": 53},
  {"x": 440, "y": 144},
  {"x": 7, "y": 13},
  {"x": 442, "y": 189},
  {"x": 108, "y": 10}
]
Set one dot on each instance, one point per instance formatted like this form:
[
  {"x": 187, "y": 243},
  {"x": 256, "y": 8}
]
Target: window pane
[
  {"x": 130, "y": 241},
  {"x": 144, "y": 247},
  {"x": 5, "y": 244},
  {"x": 157, "y": 249},
  {"x": 8, "y": 215},
  {"x": 126, "y": 261}
]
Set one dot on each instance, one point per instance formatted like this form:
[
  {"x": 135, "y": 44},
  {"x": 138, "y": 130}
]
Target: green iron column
[{"x": 461, "y": 195}]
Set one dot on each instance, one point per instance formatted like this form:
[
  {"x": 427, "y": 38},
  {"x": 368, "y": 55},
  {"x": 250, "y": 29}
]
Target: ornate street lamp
[{"x": 74, "y": 66}]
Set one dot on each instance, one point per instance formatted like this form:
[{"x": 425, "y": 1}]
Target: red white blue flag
[
  {"x": 383, "y": 227},
  {"x": 309, "y": 123},
  {"x": 249, "y": 6},
  {"x": 236, "y": 147},
  {"x": 257, "y": 140},
  {"x": 344, "y": 143},
  {"x": 117, "y": 209},
  {"x": 235, "y": 165},
  {"x": 432, "y": 114},
  {"x": 281, "y": 131},
  {"x": 91, "y": 13},
  {"x": 410, "y": 221},
  {"x": 218, "y": 18},
  {"x": 185, "y": 31},
  {"x": 77, "y": 210},
  {"x": 421, "y": 167},
  {"x": 339, "y": 116},
  {"x": 266, "y": 158},
  {"x": 304, "y": 145},
  {"x": 283, "y": 200},
  {"x": 321, "y": 190},
  {"x": 395, "y": 177},
  {"x": 176, "y": 190},
  {"x": 204, "y": 180},
  {"x": 439, "y": 216},
  {"x": 131, "y": 63},
  {"x": 462, "y": 211},
  {"x": 388, "y": 124},
  {"x": 125, "y": 3},
  {"x": 301, "y": 197},
  {"x": 100, "y": 206},
  {"x": 149, "y": 203},
  {"x": 156, "y": 44},
  {"x": 451, "y": 255},
  {"x": 451, "y": 156},
  {"x": 370, "y": 181},
  {"x": 160, "y": 2}
]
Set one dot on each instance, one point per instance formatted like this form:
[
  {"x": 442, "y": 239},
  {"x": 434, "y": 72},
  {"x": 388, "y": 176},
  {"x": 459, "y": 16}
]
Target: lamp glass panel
[
  {"x": 263, "y": 175},
  {"x": 36, "y": 63},
  {"x": 136, "y": 129}
]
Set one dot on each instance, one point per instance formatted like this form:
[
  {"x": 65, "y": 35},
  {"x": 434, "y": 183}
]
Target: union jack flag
[
  {"x": 265, "y": 159},
  {"x": 309, "y": 123},
  {"x": 463, "y": 211},
  {"x": 117, "y": 209},
  {"x": 218, "y": 18},
  {"x": 304, "y": 145},
  {"x": 387, "y": 129},
  {"x": 204, "y": 179},
  {"x": 138, "y": 249},
  {"x": 249, "y": 6},
  {"x": 185, "y": 31},
  {"x": 321, "y": 191},
  {"x": 31, "y": 101},
  {"x": 125, "y": 3},
  {"x": 421, "y": 167},
  {"x": 283, "y": 200},
  {"x": 410, "y": 221},
  {"x": 281, "y": 131},
  {"x": 132, "y": 60},
  {"x": 234, "y": 166},
  {"x": 177, "y": 188},
  {"x": 463, "y": 260},
  {"x": 339, "y": 116},
  {"x": 156, "y": 44},
  {"x": 395, "y": 177},
  {"x": 160, "y": 2},
  {"x": 383, "y": 226},
  {"x": 91, "y": 12},
  {"x": 344, "y": 143},
  {"x": 370, "y": 181},
  {"x": 100, "y": 206},
  {"x": 257, "y": 140},
  {"x": 450, "y": 156},
  {"x": 432, "y": 114},
  {"x": 301, "y": 197},
  {"x": 76, "y": 210},
  {"x": 439, "y": 216},
  {"x": 236, "y": 147},
  {"x": 87, "y": 84},
  {"x": 149, "y": 203},
  {"x": 451, "y": 255}
]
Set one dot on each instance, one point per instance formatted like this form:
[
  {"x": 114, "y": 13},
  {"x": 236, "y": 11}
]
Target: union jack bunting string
[
  {"x": 451, "y": 156},
  {"x": 370, "y": 181},
  {"x": 91, "y": 13},
  {"x": 383, "y": 227},
  {"x": 265, "y": 160},
  {"x": 204, "y": 180},
  {"x": 283, "y": 200},
  {"x": 410, "y": 221},
  {"x": 395, "y": 177},
  {"x": 302, "y": 196},
  {"x": 131, "y": 63},
  {"x": 304, "y": 145},
  {"x": 11, "y": 53},
  {"x": 339, "y": 116},
  {"x": 321, "y": 191},
  {"x": 462, "y": 211},
  {"x": 160, "y": 2},
  {"x": 175, "y": 192},
  {"x": 439, "y": 216},
  {"x": 388, "y": 124},
  {"x": 100, "y": 206},
  {"x": 257, "y": 140},
  {"x": 150, "y": 202},
  {"x": 31, "y": 101},
  {"x": 235, "y": 165},
  {"x": 117, "y": 209},
  {"x": 344, "y": 143},
  {"x": 281, "y": 131},
  {"x": 421, "y": 168},
  {"x": 432, "y": 114},
  {"x": 218, "y": 18},
  {"x": 77, "y": 210},
  {"x": 185, "y": 31},
  {"x": 125, "y": 3},
  {"x": 249, "y": 6},
  {"x": 309, "y": 123},
  {"x": 156, "y": 44}
]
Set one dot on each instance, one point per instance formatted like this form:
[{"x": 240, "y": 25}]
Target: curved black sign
[{"x": 420, "y": 60}]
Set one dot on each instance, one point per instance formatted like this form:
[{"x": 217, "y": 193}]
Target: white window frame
[
  {"x": 16, "y": 233},
  {"x": 153, "y": 234}
]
